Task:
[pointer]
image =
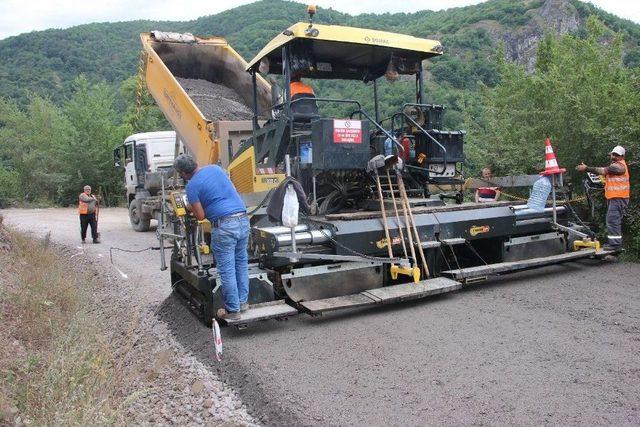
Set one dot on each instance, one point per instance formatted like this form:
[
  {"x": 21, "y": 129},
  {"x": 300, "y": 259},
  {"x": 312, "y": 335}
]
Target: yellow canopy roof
[{"x": 347, "y": 52}]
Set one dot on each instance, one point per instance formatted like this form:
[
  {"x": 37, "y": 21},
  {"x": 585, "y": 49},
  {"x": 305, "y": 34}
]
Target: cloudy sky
[{"x": 20, "y": 16}]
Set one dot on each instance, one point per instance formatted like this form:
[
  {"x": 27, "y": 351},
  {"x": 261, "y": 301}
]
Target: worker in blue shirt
[{"x": 211, "y": 195}]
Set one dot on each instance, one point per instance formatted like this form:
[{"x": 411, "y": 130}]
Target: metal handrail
[
  {"x": 359, "y": 111},
  {"x": 379, "y": 126},
  {"x": 424, "y": 131},
  {"x": 342, "y": 101},
  {"x": 282, "y": 104}
]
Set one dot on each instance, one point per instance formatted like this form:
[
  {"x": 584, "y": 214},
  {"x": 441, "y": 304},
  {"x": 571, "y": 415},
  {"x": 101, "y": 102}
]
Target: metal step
[
  {"x": 513, "y": 266},
  {"x": 269, "y": 310},
  {"x": 386, "y": 295},
  {"x": 603, "y": 253}
]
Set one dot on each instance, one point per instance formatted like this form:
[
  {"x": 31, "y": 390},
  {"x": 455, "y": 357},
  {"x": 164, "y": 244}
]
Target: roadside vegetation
[
  {"x": 56, "y": 367},
  {"x": 584, "y": 97}
]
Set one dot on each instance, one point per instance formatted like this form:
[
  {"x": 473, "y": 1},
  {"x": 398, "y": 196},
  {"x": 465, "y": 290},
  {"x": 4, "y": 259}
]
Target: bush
[{"x": 9, "y": 186}]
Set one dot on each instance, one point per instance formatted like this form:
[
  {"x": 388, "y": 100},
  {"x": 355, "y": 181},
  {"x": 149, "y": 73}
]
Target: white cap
[{"x": 619, "y": 150}]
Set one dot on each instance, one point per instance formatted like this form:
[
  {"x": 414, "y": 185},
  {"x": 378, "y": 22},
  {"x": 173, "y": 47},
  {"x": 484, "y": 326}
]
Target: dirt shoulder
[{"x": 80, "y": 347}]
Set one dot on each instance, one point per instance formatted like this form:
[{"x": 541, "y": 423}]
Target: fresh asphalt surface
[{"x": 553, "y": 346}]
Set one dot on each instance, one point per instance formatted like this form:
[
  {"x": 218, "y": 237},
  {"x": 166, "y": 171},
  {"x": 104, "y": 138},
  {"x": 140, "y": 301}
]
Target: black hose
[
  {"x": 575, "y": 215},
  {"x": 259, "y": 205}
]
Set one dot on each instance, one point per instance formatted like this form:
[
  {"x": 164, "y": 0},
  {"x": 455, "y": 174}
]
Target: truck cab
[{"x": 146, "y": 158}]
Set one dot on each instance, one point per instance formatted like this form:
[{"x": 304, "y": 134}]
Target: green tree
[
  {"x": 9, "y": 186},
  {"x": 581, "y": 95},
  {"x": 98, "y": 130},
  {"x": 142, "y": 114},
  {"x": 31, "y": 142}
]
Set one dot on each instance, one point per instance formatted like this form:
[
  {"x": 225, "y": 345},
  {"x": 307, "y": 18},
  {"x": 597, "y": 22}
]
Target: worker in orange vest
[
  {"x": 88, "y": 210},
  {"x": 617, "y": 190},
  {"x": 297, "y": 87}
]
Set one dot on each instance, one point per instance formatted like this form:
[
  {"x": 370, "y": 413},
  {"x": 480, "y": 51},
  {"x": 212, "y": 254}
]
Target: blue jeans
[{"x": 229, "y": 245}]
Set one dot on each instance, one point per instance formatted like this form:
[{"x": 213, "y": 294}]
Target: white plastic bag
[{"x": 290, "y": 208}]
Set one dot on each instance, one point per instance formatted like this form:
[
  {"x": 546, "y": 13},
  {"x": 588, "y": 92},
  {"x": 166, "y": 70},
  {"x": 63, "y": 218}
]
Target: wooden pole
[
  {"x": 384, "y": 216},
  {"x": 395, "y": 208},
  {"x": 403, "y": 193}
]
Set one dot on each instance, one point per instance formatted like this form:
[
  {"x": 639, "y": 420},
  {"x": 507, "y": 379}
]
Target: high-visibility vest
[
  {"x": 299, "y": 87},
  {"x": 617, "y": 186},
  {"x": 83, "y": 207}
]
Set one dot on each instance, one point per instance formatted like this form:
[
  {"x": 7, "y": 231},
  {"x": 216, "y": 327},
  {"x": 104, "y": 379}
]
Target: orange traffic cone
[{"x": 550, "y": 162}]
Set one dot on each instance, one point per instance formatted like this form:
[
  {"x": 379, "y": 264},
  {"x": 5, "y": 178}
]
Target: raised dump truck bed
[{"x": 199, "y": 108}]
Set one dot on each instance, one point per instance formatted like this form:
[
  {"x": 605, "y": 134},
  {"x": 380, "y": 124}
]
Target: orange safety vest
[
  {"x": 299, "y": 87},
  {"x": 83, "y": 207},
  {"x": 617, "y": 186}
]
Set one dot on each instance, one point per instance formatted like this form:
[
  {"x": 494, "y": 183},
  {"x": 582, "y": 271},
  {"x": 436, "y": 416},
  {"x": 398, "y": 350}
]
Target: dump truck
[
  {"x": 148, "y": 156},
  {"x": 201, "y": 87},
  {"x": 383, "y": 227},
  {"x": 145, "y": 158}
]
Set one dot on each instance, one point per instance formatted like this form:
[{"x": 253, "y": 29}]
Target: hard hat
[{"x": 619, "y": 150}]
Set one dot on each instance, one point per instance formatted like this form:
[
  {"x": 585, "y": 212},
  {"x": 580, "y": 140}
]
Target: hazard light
[{"x": 311, "y": 10}]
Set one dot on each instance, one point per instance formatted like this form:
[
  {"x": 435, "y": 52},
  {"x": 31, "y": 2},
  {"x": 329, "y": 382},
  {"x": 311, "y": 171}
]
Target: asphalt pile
[{"x": 215, "y": 101}]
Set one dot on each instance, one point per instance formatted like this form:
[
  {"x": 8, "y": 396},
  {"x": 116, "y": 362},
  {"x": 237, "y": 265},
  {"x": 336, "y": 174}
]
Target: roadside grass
[{"x": 56, "y": 368}]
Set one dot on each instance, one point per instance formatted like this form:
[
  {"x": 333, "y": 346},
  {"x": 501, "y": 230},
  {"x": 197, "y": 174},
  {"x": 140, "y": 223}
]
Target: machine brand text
[{"x": 479, "y": 229}]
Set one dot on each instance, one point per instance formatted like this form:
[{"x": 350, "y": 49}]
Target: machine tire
[{"x": 138, "y": 223}]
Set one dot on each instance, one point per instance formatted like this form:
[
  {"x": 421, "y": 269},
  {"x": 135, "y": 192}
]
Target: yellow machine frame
[
  {"x": 245, "y": 178},
  {"x": 195, "y": 130},
  {"x": 350, "y": 35}
]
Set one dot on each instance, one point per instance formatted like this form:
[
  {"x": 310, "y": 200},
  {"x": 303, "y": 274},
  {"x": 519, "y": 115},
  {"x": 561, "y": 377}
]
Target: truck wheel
[{"x": 138, "y": 221}]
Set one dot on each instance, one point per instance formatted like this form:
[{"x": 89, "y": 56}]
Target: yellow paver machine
[{"x": 386, "y": 222}]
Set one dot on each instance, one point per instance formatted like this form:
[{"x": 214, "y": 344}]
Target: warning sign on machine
[{"x": 347, "y": 132}]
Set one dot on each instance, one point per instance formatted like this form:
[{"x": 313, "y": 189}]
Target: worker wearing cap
[
  {"x": 211, "y": 195},
  {"x": 617, "y": 191},
  {"x": 88, "y": 210}
]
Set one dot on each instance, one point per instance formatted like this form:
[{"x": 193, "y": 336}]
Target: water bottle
[
  {"x": 388, "y": 147},
  {"x": 538, "y": 197}
]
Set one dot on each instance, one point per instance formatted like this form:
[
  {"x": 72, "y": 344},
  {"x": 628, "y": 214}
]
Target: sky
[{"x": 20, "y": 16}]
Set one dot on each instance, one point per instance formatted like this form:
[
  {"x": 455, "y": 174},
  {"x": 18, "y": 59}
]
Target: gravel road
[{"x": 553, "y": 346}]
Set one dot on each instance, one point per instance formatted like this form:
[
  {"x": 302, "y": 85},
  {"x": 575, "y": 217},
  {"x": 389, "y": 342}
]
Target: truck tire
[{"x": 138, "y": 221}]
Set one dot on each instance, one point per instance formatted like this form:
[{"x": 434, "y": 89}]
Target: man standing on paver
[
  {"x": 617, "y": 190},
  {"x": 88, "y": 210},
  {"x": 211, "y": 195}
]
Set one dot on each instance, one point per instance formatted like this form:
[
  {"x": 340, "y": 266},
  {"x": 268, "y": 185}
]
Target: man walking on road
[
  {"x": 617, "y": 191},
  {"x": 211, "y": 195},
  {"x": 88, "y": 210}
]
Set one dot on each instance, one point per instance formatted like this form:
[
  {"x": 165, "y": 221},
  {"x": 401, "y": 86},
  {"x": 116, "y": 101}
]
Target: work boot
[
  {"x": 96, "y": 241},
  {"x": 244, "y": 307},
  {"x": 226, "y": 315},
  {"x": 612, "y": 248}
]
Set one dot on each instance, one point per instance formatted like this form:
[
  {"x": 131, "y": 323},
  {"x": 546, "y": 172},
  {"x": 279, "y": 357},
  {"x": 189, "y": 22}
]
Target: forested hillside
[
  {"x": 46, "y": 62},
  {"x": 512, "y": 73}
]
